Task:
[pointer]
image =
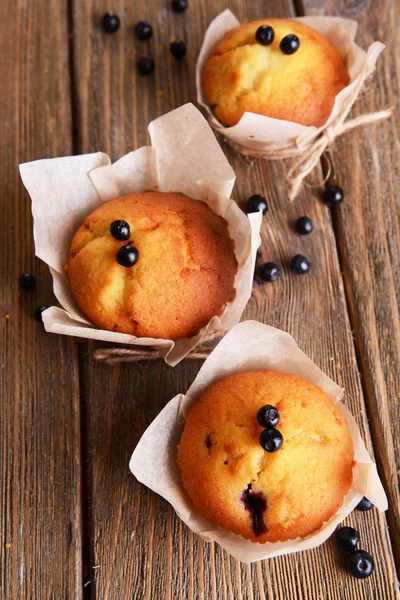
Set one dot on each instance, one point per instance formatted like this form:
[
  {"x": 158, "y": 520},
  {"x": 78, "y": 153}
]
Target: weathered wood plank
[
  {"x": 366, "y": 163},
  {"x": 40, "y": 549},
  {"x": 139, "y": 546}
]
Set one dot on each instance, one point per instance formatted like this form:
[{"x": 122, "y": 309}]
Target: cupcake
[
  {"x": 278, "y": 68},
  {"x": 152, "y": 264},
  {"x": 266, "y": 455}
]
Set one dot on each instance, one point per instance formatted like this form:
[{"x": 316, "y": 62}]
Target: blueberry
[
  {"x": 290, "y": 44},
  {"x": 300, "y": 265},
  {"x": 145, "y": 65},
  {"x": 120, "y": 230},
  {"x": 360, "y": 563},
  {"x": 110, "y": 22},
  {"x": 333, "y": 195},
  {"x": 347, "y": 538},
  {"x": 304, "y": 225},
  {"x": 265, "y": 35},
  {"x": 271, "y": 440},
  {"x": 364, "y": 504},
  {"x": 268, "y": 416},
  {"x": 179, "y": 6},
  {"x": 269, "y": 271},
  {"x": 256, "y": 203},
  {"x": 143, "y": 30},
  {"x": 27, "y": 282},
  {"x": 37, "y": 314},
  {"x": 178, "y": 49},
  {"x": 127, "y": 256}
]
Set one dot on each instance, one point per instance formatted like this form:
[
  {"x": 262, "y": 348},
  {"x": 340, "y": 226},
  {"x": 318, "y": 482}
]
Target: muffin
[
  {"x": 152, "y": 264},
  {"x": 292, "y": 73},
  {"x": 266, "y": 496}
]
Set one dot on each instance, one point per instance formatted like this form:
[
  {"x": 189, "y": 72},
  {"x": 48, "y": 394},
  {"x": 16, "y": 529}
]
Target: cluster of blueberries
[
  {"x": 127, "y": 255},
  {"x": 359, "y": 562},
  {"x": 269, "y": 271},
  {"x": 289, "y": 44},
  {"x": 144, "y": 31},
  {"x": 268, "y": 417}
]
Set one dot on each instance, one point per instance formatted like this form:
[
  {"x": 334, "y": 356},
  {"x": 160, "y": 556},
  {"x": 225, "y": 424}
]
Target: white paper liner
[
  {"x": 184, "y": 157},
  {"x": 257, "y": 132},
  {"x": 250, "y": 346}
]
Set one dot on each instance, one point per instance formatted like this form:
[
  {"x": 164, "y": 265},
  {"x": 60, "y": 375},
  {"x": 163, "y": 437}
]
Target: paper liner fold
[
  {"x": 184, "y": 157},
  {"x": 248, "y": 346}
]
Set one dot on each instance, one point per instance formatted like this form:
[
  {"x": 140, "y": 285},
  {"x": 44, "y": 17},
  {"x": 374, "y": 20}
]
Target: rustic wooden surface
[{"x": 75, "y": 523}]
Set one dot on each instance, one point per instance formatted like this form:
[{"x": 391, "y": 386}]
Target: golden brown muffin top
[
  {"x": 243, "y": 75},
  {"x": 183, "y": 277},
  {"x": 266, "y": 497}
]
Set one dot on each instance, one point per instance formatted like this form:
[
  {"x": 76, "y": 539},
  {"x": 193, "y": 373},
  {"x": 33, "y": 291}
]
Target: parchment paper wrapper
[
  {"x": 249, "y": 346},
  {"x": 257, "y": 132},
  {"x": 184, "y": 157}
]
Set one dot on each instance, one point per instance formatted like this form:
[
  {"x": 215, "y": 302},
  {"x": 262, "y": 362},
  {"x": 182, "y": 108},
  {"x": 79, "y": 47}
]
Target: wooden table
[{"x": 75, "y": 524}]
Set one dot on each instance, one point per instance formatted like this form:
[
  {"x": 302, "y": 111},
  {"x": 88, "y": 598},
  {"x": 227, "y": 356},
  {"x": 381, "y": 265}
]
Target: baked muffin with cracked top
[
  {"x": 153, "y": 264},
  {"x": 278, "y": 68},
  {"x": 263, "y": 492}
]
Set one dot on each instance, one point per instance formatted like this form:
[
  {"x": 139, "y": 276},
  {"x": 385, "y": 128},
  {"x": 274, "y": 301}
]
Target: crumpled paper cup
[
  {"x": 250, "y": 346},
  {"x": 184, "y": 157},
  {"x": 260, "y": 133}
]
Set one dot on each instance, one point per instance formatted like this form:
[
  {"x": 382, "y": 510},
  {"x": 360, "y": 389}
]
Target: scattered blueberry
[
  {"x": 256, "y": 203},
  {"x": 179, "y": 6},
  {"x": 37, "y": 314},
  {"x": 256, "y": 504},
  {"x": 304, "y": 225},
  {"x": 265, "y": 35},
  {"x": 360, "y": 563},
  {"x": 110, "y": 22},
  {"x": 271, "y": 439},
  {"x": 300, "y": 265},
  {"x": 333, "y": 195},
  {"x": 178, "y": 49},
  {"x": 143, "y": 30},
  {"x": 27, "y": 282},
  {"x": 347, "y": 538},
  {"x": 120, "y": 230},
  {"x": 145, "y": 65},
  {"x": 268, "y": 416},
  {"x": 290, "y": 44},
  {"x": 364, "y": 504},
  {"x": 269, "y": 271},
  {"x": 127, "y": 256}
]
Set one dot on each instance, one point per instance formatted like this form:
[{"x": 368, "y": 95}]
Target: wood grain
[
  {"x": 40, "y": 547},
  {"x": 367, "y": 227},
  {"x": 140, "y": 549}
]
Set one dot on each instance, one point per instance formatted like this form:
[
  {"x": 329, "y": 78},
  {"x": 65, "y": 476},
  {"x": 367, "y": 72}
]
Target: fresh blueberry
[
  {"x": 347, "y": 538},
  {"x": 127, "y": 256},
  {"x": 37, "y": 314},
  {"x": 110, "y": 22},
  {"x": 256, "y": 203},
  {"x": 290, "y": 44},
  {"x": 179, "y": 6},
  {"x": 265, "y": 35},
  {"x": 27, "y": 282},
  {"x": 271, "y": 440},
  {"x": 364, "y": 504},
  {"x": 269, "y": 271},
  {"x": 145, "y": 65},
  {"x": 300, "y": 265},
  {"x": 304, "y": 225},
  {"x": 360, "y": 563},
  {"x": 268, "y": 416},
  {"x": 178, "y": 49},
  {"x": 120, "y": 230},
  {"x": 333, "y": 196},
  {"x": 143, "y": 30}
]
